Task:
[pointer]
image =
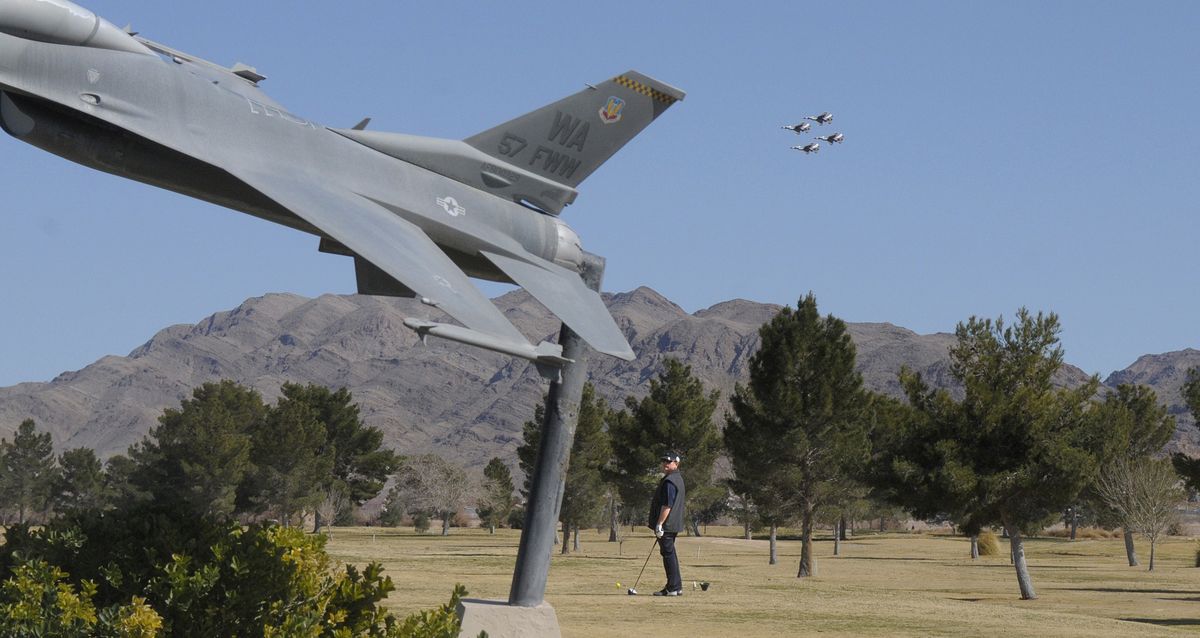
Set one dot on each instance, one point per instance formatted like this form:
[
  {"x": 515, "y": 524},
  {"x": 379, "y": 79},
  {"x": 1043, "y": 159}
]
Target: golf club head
[{"x": 631, "y": 591}]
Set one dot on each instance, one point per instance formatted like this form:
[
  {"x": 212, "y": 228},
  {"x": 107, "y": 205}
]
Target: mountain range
[{"x": 464, "y": 403}]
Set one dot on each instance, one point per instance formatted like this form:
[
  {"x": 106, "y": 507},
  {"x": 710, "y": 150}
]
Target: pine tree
[
  {"x": 531, "y": 436},
  {"x": 27, "y": 471},
  {"x": 80, "y": 482},
  {"x": 291, "y": 462},
  {"x": 915, "y": 470},
  {"x": 1186, "y": 466},
  {"x": 360, "y": 463},
  {"x": 800, "y": 425},
  {"x": 1015, "y": 451},
  {"x": 1191, "y": 392},
  {"x": 199, "y": 454},
  {"x": 120, "y": 486},
  {"x": 583, "y": 489},
  {"x": 496, "y": 501}
]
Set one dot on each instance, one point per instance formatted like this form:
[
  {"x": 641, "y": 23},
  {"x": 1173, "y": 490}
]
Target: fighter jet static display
[
  {"x": 836, "y": 138},
  {"x": 823, "y": 118},
  {"x": 802, "y": 127},
  {"x": 811, "y": 147},
  {"x": 418, "y": 215}
]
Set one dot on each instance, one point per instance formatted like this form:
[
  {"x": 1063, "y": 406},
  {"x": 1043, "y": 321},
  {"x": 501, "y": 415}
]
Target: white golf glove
[{"x": 658, "y": 531}]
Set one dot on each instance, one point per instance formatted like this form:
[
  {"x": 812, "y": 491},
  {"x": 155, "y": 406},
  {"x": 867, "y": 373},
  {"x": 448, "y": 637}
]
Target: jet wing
[
  {"x": 396, "y": 246},
  {"x": 565, "y": 294}
]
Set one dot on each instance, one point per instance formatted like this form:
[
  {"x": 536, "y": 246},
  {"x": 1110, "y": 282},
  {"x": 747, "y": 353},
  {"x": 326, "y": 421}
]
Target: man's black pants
[{"x": 666, "y": 547}]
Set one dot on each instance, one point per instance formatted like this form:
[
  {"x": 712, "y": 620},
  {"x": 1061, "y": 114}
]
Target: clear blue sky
[{"x": 997, "y": 155}]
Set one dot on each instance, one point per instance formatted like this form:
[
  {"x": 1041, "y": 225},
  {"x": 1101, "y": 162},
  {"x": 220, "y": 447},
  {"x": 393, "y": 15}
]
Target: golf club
[{"x": 632, "y": 591}]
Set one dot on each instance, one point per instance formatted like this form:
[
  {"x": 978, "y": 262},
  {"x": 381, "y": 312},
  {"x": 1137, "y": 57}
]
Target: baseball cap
[{"x": 670, "y": 455}]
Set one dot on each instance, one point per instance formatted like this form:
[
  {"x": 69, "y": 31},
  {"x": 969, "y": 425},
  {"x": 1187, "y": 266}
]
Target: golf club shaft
[{"x": 639, "y": 578}]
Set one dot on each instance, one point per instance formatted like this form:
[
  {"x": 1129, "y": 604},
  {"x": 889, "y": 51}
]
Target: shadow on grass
[
  {"x": 1128, "y": 590},
  {"x": 467, "y": 554},
  {"x": 623, "y": 558},
  {"x": 1166, "y": 622},
  {"x": 797, "y": 538},
  {"x": 899, "y": 558}
]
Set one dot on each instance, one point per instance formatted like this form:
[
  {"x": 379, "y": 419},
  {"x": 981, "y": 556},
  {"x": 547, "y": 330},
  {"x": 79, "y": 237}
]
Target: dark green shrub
[
  {"x": 516, "y": 518},
  {"x": 421, "y": 522}
]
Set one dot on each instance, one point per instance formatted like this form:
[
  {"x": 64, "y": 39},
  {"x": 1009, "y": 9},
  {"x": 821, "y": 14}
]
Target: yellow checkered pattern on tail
[{"x": 644, "y": 90}]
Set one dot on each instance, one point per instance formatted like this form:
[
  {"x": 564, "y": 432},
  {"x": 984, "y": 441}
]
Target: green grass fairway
[{"x": 881, "y": 585}]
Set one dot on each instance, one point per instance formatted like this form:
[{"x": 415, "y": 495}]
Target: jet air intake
[{"x": 64, "y": 22}]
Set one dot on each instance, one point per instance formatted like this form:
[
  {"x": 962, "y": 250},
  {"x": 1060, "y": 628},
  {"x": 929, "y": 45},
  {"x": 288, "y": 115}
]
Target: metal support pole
[{"x": 554, "y": 452}]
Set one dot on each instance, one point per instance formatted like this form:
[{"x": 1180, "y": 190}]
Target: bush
[
  {"x": 516, "y": 518},
  {"x": 263, "y": 580},
  {"x": 1198, "y": 555},
  {"x": 421, "y": 522},
  {"x": 989, "y": 545},
  {"x": 37, "y": 601},
  {"x": 442, "y": 622}
]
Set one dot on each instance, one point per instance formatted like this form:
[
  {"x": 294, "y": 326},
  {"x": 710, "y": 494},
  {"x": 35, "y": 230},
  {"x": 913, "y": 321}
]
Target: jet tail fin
[
  {"x": 567, "y": 140},
  {"x": 540, "y": 157}
]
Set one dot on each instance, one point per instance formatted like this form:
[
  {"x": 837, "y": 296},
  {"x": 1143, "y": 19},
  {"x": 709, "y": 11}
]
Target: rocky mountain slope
[{"x": 465, "y": 403}]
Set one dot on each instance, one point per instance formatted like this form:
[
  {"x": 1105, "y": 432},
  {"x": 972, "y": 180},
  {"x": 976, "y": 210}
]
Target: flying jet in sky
[
  {"x": 836, "y": 138},
  {"x": 811, "y": 147},
  {"x": 823, "y": 118},
  {"x": 418, "y": 215},
  {"x": 798, "y": 128}
]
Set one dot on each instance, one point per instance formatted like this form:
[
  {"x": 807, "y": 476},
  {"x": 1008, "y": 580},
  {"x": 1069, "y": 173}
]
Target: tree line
[
  {"x": 1007, "y": 448},
  {"x": 193, "y": 532},
  {"x": 805, "y": 442},
  {"x": 223, "y": 453}
]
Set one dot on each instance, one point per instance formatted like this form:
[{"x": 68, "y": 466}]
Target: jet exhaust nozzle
[{"x": 64, "y": 22}]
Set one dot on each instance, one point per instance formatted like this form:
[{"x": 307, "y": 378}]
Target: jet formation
[
  {"x": 804, "y": 127},
  {"x": 419, "y": 216}
]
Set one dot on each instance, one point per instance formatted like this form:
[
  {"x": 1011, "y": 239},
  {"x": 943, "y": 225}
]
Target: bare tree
[
  {"x": 1144, "y": 493},
  {"x": 335, "y": 499},
  {"x": 430, "y": 483}
]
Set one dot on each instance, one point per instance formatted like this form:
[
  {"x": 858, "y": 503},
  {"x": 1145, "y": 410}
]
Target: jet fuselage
[{"x": 173, "y": 122}]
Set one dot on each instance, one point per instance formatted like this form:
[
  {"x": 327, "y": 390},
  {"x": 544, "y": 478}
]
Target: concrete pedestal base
[{"x": 501, "y": 620}]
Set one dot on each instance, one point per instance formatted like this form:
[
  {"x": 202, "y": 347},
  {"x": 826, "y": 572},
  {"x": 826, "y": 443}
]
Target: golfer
[{"x": 666, "y": 519}]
